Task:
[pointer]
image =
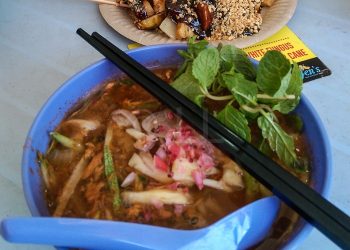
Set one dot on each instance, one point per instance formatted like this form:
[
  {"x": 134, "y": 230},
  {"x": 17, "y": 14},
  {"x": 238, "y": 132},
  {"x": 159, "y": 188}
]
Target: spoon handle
[
  {"x": 87, "y": 234},
  {"x": 238, "y": 230}
]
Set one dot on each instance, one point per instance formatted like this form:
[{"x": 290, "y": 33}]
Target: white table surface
[{"x": 39, "y": 50}]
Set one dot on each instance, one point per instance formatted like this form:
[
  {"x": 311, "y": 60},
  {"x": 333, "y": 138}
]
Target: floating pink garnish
[
  {"x": 174, "y": 186},
  {"x": 161, "y": 152},
  {"x": 160, "y": 164},
  {"x": 170, "y": 115},
  {"x": 157, "y": 204},
  {"x": 178, "y": 209},
  {"x": 205, "y": 161},
  {"x": 147, "y": 216},
  {"x": 198, "y": 178}
]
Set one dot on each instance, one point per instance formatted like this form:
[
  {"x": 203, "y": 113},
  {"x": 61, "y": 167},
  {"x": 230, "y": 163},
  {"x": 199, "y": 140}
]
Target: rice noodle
[
  {"x": 72, "y": 182},
  {"x": 125, "y": 118}
]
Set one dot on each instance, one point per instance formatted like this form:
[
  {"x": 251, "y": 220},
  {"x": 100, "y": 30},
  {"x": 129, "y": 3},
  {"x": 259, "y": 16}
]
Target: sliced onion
[
  {"x": 137, "y": 134},
  {"x": 86, "y": 125},
  {"x": 125, "y": 118},
  {"x": 160, "y": 120},
  {"x": 211, "y": 171},
  {"x": 129, "y": 179},
  {"x": 147, "y": 159},
  {"x": 146, "y": 143},
  {"x": 61, "y": 157},
  {"x": 232, "y": 178},
  {"x": 137, "y": 162}
]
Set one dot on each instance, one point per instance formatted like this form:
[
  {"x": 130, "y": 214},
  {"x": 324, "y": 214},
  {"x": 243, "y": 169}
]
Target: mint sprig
[{"x": 252, "y": 95}]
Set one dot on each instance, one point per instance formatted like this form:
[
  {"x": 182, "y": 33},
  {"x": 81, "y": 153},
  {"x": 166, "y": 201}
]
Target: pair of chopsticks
[{"x": 308, "y": 203}]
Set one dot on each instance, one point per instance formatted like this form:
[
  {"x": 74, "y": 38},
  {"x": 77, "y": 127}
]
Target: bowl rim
[{"x": 292, "y": 243}]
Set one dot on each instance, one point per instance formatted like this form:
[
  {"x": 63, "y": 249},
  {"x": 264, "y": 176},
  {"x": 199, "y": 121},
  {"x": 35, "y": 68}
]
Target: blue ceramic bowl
[{"x": 81, "y": 84}]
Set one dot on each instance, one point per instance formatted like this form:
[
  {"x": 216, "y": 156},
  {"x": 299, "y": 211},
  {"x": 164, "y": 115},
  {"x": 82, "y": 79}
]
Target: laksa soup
[{"x": 122, "y": 155}]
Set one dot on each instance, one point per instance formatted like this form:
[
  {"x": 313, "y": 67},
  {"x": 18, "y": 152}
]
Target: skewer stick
[{"x": 111, "y": 3}]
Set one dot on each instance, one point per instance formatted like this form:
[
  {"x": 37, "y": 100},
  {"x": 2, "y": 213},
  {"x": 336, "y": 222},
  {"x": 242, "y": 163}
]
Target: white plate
[{"x": 274, "y": 18}]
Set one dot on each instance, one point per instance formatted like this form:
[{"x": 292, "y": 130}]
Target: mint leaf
[
  {"x": 182, "y": 68},
  {"x": 244, "y": 91},
  {"x": 284, "y": 85},
  {"x": 294, "y": 88},
  {"x": 189, "y": 86},
  {"x": 271, "y": 70},
  {"x": 235, "y": 121},
  {"x": 264, "y": 147},
  {"x": 237, "y": 59},
  {"x": 184, "y": 54},
  {"x": 295, "y": 123},
  {"x": 194, "y": 48},
  {"x": 279, "y": 141},
  {"x": 206, "y": 66}
]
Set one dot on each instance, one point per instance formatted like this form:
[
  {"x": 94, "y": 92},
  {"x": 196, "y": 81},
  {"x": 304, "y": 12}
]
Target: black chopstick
[{"x": 308, "y": 203}]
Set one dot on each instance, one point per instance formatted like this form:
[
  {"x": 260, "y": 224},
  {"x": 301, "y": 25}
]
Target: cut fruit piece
[
  {"x": 149, "y": 10},
  {"x": 151, "y": 23},
  {"x": 168, "y": 27},
  {"x": 159, "y": 6}
]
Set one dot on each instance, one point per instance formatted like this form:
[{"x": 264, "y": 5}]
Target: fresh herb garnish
[
  {"x": 206, "y": 66},
  {"x": 236, "y": 121},
  {"x": 234, "y": 58},
  {"x": 252, "y": 94},
  {"x": 189, "y": 86}
]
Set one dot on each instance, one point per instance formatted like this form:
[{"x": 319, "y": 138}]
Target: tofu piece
[{"x": 183, "y": 31}]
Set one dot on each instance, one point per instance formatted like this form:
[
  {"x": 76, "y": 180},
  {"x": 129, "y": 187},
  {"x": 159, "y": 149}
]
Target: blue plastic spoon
[{"x": 238, "y": 230}]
